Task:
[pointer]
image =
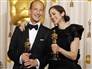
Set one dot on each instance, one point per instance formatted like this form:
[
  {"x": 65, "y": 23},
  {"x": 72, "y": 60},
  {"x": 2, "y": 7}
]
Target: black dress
[{"x": 65, "y": 37}]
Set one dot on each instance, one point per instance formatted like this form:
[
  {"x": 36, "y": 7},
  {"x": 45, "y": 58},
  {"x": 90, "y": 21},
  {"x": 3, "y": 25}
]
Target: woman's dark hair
[{"x": 60, "y": 9}]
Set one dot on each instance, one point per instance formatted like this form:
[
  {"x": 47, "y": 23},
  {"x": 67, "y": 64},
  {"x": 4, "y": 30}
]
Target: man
[{"x": 38, "y": 36}]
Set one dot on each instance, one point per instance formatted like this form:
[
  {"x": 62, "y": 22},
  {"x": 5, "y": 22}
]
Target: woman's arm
[{"x": 72, "y": 54}]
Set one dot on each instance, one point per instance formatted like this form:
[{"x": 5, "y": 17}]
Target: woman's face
[{"x": 55, "y": 16}]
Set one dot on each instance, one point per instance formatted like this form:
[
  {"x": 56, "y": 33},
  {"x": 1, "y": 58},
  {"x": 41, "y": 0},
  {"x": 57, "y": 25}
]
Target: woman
[{"x": 68, "y": 39}]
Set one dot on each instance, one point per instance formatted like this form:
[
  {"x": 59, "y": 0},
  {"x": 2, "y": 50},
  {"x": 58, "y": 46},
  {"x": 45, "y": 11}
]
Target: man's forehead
[{"x": 38, "y": 3}]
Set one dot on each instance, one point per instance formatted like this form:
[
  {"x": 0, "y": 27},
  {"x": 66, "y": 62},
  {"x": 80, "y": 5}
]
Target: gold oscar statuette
[
  {"x": 88, "y": 59},
  {"x": 27, "y": 46},
  {"x": 54, "y": 38},
  {"x": 27, "y": 49}
]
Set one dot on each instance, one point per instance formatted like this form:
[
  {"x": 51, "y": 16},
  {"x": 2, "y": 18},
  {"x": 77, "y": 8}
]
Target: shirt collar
[{"x": 38, "y": 23}]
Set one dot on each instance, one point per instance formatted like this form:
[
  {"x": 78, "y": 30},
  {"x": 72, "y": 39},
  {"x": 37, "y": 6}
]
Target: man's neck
[{"x": 33, "y": 23}]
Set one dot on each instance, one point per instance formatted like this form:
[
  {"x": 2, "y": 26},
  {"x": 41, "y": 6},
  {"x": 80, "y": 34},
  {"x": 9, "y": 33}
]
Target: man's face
[{"x": 36, "y": 12}]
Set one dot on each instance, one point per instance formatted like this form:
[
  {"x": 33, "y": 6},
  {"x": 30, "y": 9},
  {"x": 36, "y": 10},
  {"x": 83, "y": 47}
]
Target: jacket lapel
[{"x": 38, "y": 37}]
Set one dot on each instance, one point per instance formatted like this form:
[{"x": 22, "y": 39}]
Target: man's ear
[{"x": 29, "y": 12}]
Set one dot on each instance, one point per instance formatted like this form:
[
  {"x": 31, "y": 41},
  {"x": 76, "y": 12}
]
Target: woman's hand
[
  {"x": 22, "y": 27},
  {"x": 55, "y": 48}
]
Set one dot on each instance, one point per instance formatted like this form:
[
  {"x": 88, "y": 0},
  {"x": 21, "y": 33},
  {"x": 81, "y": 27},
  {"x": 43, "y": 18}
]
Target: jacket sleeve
[{"x": 13, "y": 52}]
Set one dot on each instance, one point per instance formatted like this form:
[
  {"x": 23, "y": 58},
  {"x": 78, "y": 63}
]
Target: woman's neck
[{"x": 63, "y": 25}]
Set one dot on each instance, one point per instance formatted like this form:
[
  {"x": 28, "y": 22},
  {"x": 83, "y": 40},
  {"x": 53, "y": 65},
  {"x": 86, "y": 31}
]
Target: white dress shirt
[{"x": 33, "y": 34}]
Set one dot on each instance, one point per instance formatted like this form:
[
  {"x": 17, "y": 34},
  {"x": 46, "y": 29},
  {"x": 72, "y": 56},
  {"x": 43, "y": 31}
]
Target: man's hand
[
  {"x": 25, "y": 57},
  {"x": 31, "y": 63}
]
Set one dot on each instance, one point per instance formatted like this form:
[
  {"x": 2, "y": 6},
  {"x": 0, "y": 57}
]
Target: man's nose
[{"x": 38, "y": 11}]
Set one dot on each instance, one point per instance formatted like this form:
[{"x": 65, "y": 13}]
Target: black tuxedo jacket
[{"x": 39, "y": 49}]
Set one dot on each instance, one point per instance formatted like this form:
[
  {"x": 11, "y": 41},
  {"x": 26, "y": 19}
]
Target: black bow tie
[{"x": 32, "y": 26}]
